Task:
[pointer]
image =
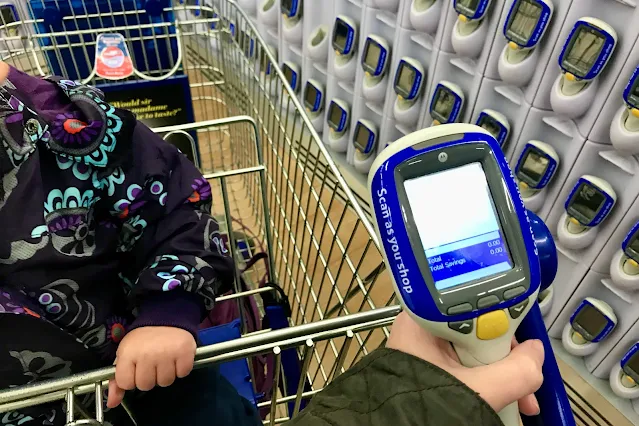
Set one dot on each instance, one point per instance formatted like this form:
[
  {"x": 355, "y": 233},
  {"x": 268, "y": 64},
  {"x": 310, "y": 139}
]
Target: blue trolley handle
[{"x": 552, "y": 397}]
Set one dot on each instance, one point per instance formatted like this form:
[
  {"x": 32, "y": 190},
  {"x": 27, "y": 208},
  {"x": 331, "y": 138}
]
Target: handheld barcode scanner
[
  {"x": 446, "y": 104},
  {"x": 584, "y": 56},
  {"x": 375, "y": 60},
  {"x": 409, "y": 81},
  {"x": 589, "y": 203},
  {"x": 525, "y": 25},
  {"x": 535, "y": 168},
  {"x": 497, "y": 125},
  {"x": 457, "y": 240},
  {"x": 624, "y": 267},
  {"x": 469, "y": 34},
  {"x": 624, "y": 128},
  {"x": 624, "y": 376},
  {"x": 592, "y": 322}
]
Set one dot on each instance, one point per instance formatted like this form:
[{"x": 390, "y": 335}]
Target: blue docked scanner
[
  {"x": 587, "y": 49},
  {"x": 365, "y": 138},
  {"x": 292, "y": 9},
  {"x": 471, "y": 10},
  {"x": 592, "y": 321},
  {"x": 536, "y": 167},
  {"x": 630, "y": 246},
  {"x": 409, "y": 79},
  {"x": 458, "y": 240},
  {"x": 375, "y": 56},
  {"x": 292, "y": 73},
  {"x": 526, "y": 23},
  {"x": 446, "y": 104},
  {"x": 590, "y": 201},
  {"x": 630, "y": 363},
  {"x": 9, "y": 15},
  {"x": 631, "y": 97},
  {"x": 338, "y": 116},
  {"x": 314, "y": 97},
  {"x": 344, "y": 36},
  {"x": 496, "y": 124}
]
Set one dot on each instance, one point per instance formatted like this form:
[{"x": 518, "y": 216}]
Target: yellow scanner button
[
  {"x": 633, "y": 263},
  {"x": 513, "y": 45},
  {"x": 570, "y": 77},
  {"x": 575, "y": 221},
  {"x": 635, "y": 112},
  {"x": 463, "y": 18},
  {"x": 492, "y": 325},
  {"x": 523, "y": 185},
  {"x": 436, "y": 123}
]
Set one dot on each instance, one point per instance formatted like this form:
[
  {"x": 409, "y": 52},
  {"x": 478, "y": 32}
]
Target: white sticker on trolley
[{"x": 112, "y": 58}]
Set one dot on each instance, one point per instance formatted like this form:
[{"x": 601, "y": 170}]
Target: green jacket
[{"x": 391, "y": 388}]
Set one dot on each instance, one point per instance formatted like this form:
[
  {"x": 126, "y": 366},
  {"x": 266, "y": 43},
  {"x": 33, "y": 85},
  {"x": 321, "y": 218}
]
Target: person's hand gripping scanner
[{"x": 458, "y": 240}]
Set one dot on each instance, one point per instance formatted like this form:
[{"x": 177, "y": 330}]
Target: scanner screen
[{"x": 458, "y": 225}]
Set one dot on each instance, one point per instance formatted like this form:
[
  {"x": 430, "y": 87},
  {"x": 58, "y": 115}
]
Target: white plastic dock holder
[
  {"x": 583, "y": 57},
  {"x": 292, "y": 73},
  {"x": 267, "y": 13},
  {"x": 591, "y": 323},
  {"x": 624, "y": 129},
  {"x": 365, "y": 139},
  {"x": 409, "y": 82},
  {"x": 589, "y": 203},
  {"x": 525, "y": 26},
  {"x": 467, "y": 278},
  {"x": 544, "y": 299},
  {"x": 534, "y": 170},
  {"x": 292, "y": 20},
  {"x": 314, "y": 102},
  {"x": 375, "y": 60},
  {"x": 425, "y": 15},
  {"x": 345, "y": 45},
  {"x": 390, "y": 5},
  {"x": 447, "y": 103},
  {"x": 497, "y": 125},
  {"x": 469, "y": 32},
  {"x": 624, "y": 375},
  {"x": 317, "y": 45},
  {"x": 624, "y": 267},
  {"x": 338, "y": 118}
]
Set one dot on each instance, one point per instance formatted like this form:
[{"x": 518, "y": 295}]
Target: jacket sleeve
[
  {"x": 389, "y": 387},
  {"x": 173, "y": 247}
]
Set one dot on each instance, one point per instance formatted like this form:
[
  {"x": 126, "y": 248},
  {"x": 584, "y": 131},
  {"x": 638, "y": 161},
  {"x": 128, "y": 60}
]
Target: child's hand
[{"x": 150, "y": 356}]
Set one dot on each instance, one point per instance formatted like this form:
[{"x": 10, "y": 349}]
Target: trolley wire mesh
[{"x": 321, "y": 247}]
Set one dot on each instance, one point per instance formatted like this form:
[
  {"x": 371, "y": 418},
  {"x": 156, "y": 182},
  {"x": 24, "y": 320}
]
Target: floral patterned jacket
[{"x": 105, "y": 226}]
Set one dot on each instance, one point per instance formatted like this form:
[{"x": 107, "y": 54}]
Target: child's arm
[{"x": 176, "y": 264}]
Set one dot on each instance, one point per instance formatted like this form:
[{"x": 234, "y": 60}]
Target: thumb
[
  {"x": 512, "y": 378},
  {"x": 116, "y": 395}
]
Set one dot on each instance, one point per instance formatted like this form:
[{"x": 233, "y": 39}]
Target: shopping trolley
[{"x": 277, "y": 194}]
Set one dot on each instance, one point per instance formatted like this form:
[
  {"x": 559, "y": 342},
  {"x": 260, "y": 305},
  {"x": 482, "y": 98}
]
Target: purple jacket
[{"x": 106, "y": 226}]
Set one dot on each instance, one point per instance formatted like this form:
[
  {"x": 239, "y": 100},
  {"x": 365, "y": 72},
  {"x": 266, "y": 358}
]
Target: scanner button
[
  {"x": 460, "y": 309},
  {"x": 635, "y": 112},
  {"x": 518, "y": 309},
  {"x": 492, "y": 325},
  {"x": 464, "y": 327},
  {"x": 514, "y": 292},
  {"x": 513, "y": 45},
  {"x": 570, "y": 76},
  {"x": 487, "y": 301}
]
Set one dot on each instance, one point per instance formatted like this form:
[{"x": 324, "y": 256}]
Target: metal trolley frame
[
  {"x": 266, "y": 164},
  {"x": 276, "y": 190}
]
